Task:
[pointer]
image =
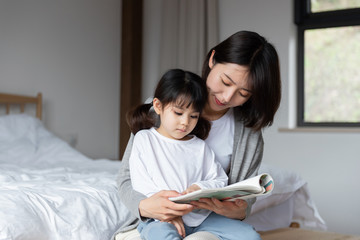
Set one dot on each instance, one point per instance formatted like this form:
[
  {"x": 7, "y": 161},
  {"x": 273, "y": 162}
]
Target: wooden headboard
[{"x": 11, "y": 99}]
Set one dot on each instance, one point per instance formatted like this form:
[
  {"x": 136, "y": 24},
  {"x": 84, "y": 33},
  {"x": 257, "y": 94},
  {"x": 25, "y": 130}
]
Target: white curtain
[{"x": 189, "y": 29}]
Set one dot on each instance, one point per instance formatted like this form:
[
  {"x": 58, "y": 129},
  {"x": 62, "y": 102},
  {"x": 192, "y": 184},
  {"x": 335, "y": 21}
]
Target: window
[
  {"x": 333, "y": 5},
  {"x": 328, "y": 62}
]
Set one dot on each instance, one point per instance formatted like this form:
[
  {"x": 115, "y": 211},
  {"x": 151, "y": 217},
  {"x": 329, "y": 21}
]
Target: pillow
[
  {"x": 18, "y": 139},
  {"x": 25, "y": 141},
  {"x": 16, "y": 126},
  {"x": 289, "y": 201},
  {"x": 286, "y": 183}
]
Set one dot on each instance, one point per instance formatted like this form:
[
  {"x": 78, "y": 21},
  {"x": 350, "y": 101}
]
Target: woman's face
[{"x": 227, "y": 85}]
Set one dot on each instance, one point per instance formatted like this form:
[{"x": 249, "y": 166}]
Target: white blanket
[{"x": 48, "y": 190}]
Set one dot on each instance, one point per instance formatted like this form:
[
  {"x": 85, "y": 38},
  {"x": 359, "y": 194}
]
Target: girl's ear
[
  {"x": 211, "y": 59},
  {"x": 157, "y": 106}
]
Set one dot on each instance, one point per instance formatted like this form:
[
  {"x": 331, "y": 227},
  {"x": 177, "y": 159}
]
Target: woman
[{"x": 244, "y": 90}]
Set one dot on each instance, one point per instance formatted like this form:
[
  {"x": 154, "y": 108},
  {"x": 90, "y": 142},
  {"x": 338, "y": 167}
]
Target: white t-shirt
[
  {"x": 160, "y": 163},
  {"x": 221, "y": 138}
]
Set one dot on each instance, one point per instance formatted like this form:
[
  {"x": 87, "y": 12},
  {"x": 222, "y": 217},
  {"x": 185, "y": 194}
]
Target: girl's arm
[{"x": 215, "y": 175}]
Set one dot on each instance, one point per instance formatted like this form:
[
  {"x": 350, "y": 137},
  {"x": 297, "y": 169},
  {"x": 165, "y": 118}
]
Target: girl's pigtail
[
  {"x": 202, "y": 128},
  {"x": 140, "y": 118}
]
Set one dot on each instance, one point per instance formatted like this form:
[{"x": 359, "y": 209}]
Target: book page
[{"x": 249, "y": 188}]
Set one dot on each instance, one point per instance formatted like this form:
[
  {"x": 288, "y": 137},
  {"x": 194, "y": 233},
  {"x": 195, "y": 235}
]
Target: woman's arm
[
  {"x": 128, "y": 195},
  {"x": 157, "y": 206}
]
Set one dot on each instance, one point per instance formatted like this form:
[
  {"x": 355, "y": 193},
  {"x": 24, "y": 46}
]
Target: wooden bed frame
[{"x": 11, "y": 99}]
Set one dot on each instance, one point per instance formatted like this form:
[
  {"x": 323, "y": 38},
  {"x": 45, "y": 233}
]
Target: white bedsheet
[{"x": 48, "y": 190}]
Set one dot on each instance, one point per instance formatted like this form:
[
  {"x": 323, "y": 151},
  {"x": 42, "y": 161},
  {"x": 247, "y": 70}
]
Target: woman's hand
[
  {"x": 158, "y": 206},
  {"x": 235, "y": 210},
  {"x": 179, "y": 224}
]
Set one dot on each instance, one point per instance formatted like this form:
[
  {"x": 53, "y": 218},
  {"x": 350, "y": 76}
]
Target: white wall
[
  {"x": 70, "y": 51},
  {"x": 328, "y": 161}
]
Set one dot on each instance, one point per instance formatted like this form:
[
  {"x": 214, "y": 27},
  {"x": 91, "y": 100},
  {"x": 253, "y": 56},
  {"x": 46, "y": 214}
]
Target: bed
[{"x": 49, "y": 190}]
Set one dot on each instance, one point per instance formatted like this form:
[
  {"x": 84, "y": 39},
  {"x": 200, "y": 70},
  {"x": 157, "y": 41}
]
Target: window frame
[{"x": 305, "y": 20}]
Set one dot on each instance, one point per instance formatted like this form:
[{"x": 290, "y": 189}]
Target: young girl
[{"x": 173, "y": 155}]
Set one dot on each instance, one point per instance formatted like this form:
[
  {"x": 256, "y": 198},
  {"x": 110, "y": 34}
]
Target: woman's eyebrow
[
  {"x": 248, "y": 90},
  {"x": 230, "y": 78}
]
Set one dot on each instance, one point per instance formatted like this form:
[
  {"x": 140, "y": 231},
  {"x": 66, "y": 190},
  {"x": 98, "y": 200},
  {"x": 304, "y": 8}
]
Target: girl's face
[
  {"x": 227, "y": 85},
  {"x": 176, "y": 122}
]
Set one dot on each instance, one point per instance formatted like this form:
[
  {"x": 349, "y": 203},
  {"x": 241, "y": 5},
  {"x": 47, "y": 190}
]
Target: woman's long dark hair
[
  {"x": 175, "y": 86},
  {"x": 254, "y": 51}
]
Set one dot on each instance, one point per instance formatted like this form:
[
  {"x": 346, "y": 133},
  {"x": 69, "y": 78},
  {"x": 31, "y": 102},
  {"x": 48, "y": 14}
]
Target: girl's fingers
[{"x": 179, "y": 225}]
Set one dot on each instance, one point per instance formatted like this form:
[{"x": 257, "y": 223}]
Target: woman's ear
[
  {"x": 157, "y": 105},
  {"x": 211, "y": 59}
]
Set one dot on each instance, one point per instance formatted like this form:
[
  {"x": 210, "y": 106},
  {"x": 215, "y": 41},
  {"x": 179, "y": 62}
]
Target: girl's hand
[
  {"x": 179, "y": 224},
  {"x": 192, "y": 188},
  {"x": 235, "y": 210},
  {"x": 158, "y": 206}
]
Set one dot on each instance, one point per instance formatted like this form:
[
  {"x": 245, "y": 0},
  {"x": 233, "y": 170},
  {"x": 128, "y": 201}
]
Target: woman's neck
[{"x": 212, "y": 115}]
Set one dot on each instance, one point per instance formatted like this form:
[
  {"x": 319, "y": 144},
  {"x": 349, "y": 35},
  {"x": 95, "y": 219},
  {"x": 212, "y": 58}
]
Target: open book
[{"x": 252, "y": 187}]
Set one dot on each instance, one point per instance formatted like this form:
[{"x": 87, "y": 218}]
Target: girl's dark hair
[
  {"x": 254, "y": 51},
  {"x": 175, "y": 86}
]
